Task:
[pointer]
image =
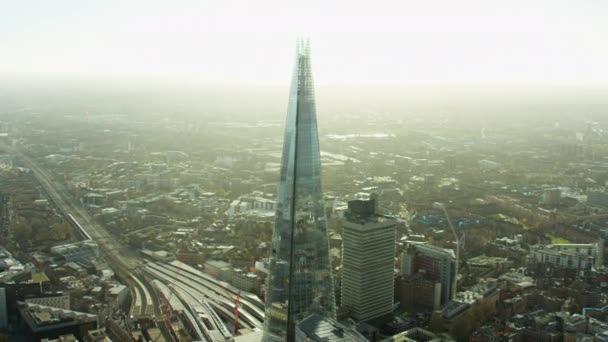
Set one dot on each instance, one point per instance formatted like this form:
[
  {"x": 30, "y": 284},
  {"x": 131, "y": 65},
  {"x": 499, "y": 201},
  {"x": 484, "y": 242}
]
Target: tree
[
  {"x": 61, "y": 231},
  {"x": 22, "y": 230},
  {"x": 462, "y": 330}
]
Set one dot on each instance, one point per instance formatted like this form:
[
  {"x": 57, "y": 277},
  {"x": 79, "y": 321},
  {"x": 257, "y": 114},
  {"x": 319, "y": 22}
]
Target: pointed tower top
[
  {"x": 303, "y": 46},
  {"x": 300, "y": 278}
]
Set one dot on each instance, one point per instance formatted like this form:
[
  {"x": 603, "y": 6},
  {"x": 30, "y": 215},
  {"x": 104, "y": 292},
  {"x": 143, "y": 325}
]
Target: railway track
[{"x": 124, "y": 262}]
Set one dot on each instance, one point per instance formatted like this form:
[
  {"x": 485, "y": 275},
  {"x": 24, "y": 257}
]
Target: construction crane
[
  {"x": 459, "y": 243},
  {"x": 165, "y": 306},
  {"x": 237, "y": 302}
]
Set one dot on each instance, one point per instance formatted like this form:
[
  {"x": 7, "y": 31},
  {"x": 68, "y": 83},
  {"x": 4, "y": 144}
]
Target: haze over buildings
[{"x": 452, "y": 186}]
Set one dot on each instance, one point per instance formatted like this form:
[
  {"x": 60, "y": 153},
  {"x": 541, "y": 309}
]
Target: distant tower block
[
  {"x": 552, "y": 197},
  {"x": 129, "y": 144}
]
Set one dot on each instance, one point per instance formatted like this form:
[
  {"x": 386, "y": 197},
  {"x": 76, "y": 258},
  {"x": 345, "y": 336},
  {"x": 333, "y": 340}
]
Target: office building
[
  {"x": 77, "y": 251},
  {"x": 434, "y": 263},
  {"x": 219, "y": 269},
  {"x": 368, "y": 261},
  {"x": 48, "y": 322},
  {"x": 3, "y": 309},
  {"x": 58, "y": 300},
  {"x": 552, "y": 197},
  {"x": 569, "y": 256},
  {"x": 300, "y": 281},
  {"x": 246, "y": 281},
  {"x": 415, "y": 293}
]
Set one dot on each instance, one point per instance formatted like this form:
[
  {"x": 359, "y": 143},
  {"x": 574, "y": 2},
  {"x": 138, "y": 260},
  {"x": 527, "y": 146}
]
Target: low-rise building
[
  {"x": 253, "y": 204},
  {"x": 568, "y": 256},
  {"x": 77, "y": 251},
  {"x": 469, "y": 310},
  {"x": 58, "y": 300},
  {"x": 117, "y": 295},
  {"x": 418, "y": 335},
  {"x": 323, "y": 329},
  {"x": 162, "y": 256},
  {"x": 97, "y": 336},
  {"x": 48, "y": 322},
  {"x": 483, "y": 266},
  {"x": 245, "y": 281},
  {"x": 219, "y": 269}
]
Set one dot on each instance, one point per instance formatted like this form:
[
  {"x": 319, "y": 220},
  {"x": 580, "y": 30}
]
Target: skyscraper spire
[{"x": 300, "y": 281}]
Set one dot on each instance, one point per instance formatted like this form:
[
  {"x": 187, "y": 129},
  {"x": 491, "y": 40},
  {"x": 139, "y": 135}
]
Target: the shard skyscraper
[{"x": 300, "y": 281}]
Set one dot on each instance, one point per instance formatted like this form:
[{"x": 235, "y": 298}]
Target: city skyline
[{"x": 162, "y": 178}]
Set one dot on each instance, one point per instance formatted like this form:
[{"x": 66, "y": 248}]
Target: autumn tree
[
  {"x": 61, "y": 231},
  {"x": 22, "y": 230}
]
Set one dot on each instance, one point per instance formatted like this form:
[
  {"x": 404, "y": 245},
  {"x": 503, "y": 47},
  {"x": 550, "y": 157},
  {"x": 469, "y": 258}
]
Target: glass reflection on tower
[{"x": 300, "y": 281}]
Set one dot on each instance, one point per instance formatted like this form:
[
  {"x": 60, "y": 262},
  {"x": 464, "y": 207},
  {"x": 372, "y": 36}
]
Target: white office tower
[
  {"x": 3, "y": 310},
  {"x": 368, "y": 261}
]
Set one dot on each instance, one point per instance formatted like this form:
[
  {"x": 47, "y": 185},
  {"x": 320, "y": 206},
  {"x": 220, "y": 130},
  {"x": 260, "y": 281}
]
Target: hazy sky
[{"x": 362, "y": 42}]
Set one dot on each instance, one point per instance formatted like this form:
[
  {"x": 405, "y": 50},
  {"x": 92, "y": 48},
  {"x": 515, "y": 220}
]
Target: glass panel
[{"x": 300, "y": 281}]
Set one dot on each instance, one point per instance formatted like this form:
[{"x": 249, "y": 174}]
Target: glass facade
[{"x": 300, "y": 281}]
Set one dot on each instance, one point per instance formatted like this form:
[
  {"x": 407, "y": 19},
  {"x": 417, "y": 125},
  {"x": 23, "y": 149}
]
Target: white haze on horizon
[{"x": 354, "y": 42}]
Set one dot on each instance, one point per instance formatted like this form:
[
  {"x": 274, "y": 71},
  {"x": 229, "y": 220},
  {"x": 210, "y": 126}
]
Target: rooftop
[
  {"x": 218, "y": 263},
  {"x": 318, "y": 328},
  {"x": 42, "y": 317},
  {"x": 115, "y": 290}
]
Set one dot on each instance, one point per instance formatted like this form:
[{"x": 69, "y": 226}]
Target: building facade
[
  {"x": 3, "y": 309},
  {"x": 219, "y": 269},
  {"x": 551, "y": 197},
  {"x": 368, "y": 261},
  {"x": 300, "y": 280},
  {"x": 568, "y": 256},
  {"x": 56, "y": 300},
  {"x": 246, "y": 281},
  {"x": 319, "y": 328},
  {"x": 433, "y": 263},
  {"x": 76, "y": 251},
  {"x": 415, "y": 293}
]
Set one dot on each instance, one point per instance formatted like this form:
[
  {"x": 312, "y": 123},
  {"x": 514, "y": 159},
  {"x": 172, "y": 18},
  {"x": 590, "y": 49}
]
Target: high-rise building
[
  {"x": 415, "y": 293},
  {"x": 300, "y": 281},
  {"x": 368, "y": 261},
  {"x": 552, "y": 197},
  {"x": 3, "y": 309},
  {"x": 434, "y": 263}
]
